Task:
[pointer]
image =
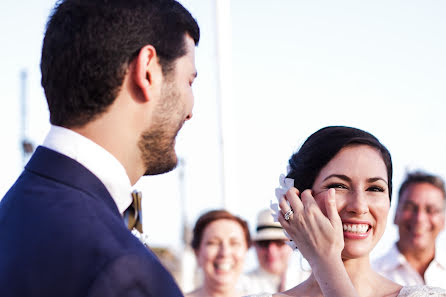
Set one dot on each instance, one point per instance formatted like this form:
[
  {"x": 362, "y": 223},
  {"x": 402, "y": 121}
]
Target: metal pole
[
  {"x": 223, "y": 89},
  {"x": 23, "y": 77},
  {"x": 26, "y": 145},
  {"x": 182, "y": 193}
]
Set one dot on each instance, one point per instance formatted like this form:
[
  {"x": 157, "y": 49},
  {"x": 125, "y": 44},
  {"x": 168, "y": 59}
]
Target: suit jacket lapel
[{"x": 56, "y": 166}]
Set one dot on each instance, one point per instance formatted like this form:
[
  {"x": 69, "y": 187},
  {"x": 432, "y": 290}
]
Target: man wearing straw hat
[{"x": 273, "y": 254}]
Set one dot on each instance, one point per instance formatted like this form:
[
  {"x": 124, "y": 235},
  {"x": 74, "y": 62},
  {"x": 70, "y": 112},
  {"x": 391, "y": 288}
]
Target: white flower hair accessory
[{"x": 285, "y": 185}]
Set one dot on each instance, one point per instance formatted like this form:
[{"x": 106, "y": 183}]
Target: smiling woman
[
  {"x": 359, "y": 177},
  {"x": 346, "y": 178},
  {"x": 220, "y": 242}
]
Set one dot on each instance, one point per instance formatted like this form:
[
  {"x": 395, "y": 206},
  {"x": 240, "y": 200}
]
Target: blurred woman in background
[{"x": 220, "y": 242}]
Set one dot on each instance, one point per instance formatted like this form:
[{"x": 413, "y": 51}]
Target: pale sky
[{"x": 290, "y": 68}]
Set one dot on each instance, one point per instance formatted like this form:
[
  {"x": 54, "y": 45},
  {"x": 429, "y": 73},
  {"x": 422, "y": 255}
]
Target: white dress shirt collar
[
  {"x": 96, "y": 159},
  {"x": 440, "y": 256},
  {"x": 394, "y": 258}
]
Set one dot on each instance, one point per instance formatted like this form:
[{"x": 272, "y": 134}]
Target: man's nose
[
  {"x": 419, "y": 215},
  {"x": 273, "y": 247}
]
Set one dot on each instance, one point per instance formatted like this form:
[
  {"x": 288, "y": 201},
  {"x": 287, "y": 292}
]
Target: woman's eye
[
  {"x": 375, "y": 189},
  {"x": 336, "y": 186}
]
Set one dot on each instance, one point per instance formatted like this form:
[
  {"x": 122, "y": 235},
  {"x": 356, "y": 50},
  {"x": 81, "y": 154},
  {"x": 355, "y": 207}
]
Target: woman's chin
[
  {"x": 225, "y": 278},
  {"x": 350, "y": 253}
]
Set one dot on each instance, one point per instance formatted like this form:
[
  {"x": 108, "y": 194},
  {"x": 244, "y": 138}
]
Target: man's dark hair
[
  {"x": 420, "y": 177},
  {"x": 323, "y": 145},
  {"x": 89, "y": 44}
]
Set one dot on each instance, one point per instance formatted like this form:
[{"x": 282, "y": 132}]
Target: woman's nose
[
  {"x": 224, "y": 249},
  {"x": 357, "y": 203}
]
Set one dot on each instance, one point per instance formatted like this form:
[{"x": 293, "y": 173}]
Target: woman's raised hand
[{"x": 317, "y": 236}]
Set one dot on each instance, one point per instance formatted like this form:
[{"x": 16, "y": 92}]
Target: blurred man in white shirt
[{"x": 420, "y": 217}]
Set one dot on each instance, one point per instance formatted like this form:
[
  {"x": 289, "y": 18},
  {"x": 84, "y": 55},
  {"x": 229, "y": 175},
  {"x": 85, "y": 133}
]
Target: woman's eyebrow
[
  {"x": 348, "y": 179},
  {"x": 374, "y": 179},
  {"x": 341, "y": 176}
]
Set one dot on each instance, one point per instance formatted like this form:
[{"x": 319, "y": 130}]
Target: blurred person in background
[
  {"x": 420, "y": 216},
  {"x": 220, "y": 242},
  {"x": 274, "y": 273}
]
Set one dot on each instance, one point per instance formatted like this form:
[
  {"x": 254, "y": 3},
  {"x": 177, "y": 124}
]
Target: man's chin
[{"x": 162, "y": 167}]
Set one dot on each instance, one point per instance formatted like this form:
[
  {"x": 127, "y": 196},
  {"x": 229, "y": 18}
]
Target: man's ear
[{"x": 147, "y": 71}]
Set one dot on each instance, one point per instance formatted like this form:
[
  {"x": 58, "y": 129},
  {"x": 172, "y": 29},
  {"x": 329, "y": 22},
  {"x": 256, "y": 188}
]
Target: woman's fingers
[
  {"x": 309, "y": 204},
  {"x": 319, "y": 237},
  {"x": 292, "y": 196},
  {"x": 334, "y": 218},
  {"x": 290, "y": 202},
  {"x": 330, "y": 206},
  {"x": 304, "y": 203}
]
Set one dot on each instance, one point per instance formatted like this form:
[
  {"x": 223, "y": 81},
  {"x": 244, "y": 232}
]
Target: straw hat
[{"x": 267, "y": 229}]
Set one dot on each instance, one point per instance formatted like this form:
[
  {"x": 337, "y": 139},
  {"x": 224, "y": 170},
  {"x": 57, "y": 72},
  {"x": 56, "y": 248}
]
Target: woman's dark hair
[
  {"x": 214, "y": 215},
  {"x": 89, "y": 44},
  {"x": 323, "y": 145}
]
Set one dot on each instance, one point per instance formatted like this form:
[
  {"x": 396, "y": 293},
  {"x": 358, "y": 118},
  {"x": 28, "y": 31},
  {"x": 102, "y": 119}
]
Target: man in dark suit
[{"x": 117, "y": 76}]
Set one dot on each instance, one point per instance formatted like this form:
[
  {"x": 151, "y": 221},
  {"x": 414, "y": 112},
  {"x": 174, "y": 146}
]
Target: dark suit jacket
[{"x": 62, "y": 235}]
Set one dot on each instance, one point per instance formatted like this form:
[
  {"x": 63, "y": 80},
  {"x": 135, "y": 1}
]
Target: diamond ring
[{"x": 288, "y": 214}]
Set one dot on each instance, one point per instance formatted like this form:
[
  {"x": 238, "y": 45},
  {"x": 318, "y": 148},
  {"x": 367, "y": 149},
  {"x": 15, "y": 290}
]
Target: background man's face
[
  {"x": 273, "y": 255},
  {"x": 420, "y": 216}
]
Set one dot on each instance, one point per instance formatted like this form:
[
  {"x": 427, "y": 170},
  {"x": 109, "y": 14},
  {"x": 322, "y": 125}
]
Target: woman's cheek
[
  {"x": 321, "y": 205},
  {"x": 320, "y": 200}
]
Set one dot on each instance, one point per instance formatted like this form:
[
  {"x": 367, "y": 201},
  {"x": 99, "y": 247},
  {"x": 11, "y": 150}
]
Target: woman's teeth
[
  {"x": 223, "y": 266},
  {"x": 355, "y": 228}
]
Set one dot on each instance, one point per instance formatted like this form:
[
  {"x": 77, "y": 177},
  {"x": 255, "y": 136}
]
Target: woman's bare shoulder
[{"x": 421, "y": 291}]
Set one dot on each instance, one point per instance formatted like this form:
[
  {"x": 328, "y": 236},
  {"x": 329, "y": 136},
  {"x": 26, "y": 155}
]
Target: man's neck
[
  {"x": 119, "y": 140},
  {"x": 418, "y": 259}
]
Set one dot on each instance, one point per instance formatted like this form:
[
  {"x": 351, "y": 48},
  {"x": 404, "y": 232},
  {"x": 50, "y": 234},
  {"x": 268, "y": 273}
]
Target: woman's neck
[
  {"x": 368, "y": 282},
  {"x": 218, "y": 290},
  {"x": 360, "y": 273}
]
